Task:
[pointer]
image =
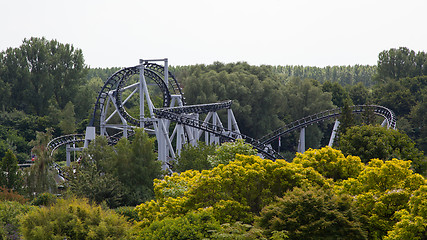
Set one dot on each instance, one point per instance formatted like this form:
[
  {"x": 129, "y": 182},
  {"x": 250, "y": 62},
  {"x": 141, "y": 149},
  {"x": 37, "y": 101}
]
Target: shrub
[
  {"x": 9, "y": 195},
  {"x": 9, "y": 221},
  {"x": 44, "y": 199},
  {"x": 73, "y": 219},
  {"x": 190, "y": 226}
]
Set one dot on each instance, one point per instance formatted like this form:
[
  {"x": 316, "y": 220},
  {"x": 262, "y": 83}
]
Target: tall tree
[
  {"x": 401, "y": 63},
  {"x": 370, "y": 142},
  {"x": 135, "y": 165},
  {"x": 68, "y": 120},
  {"x": 39, "y": 177},
  {"x": 41, "y": 71},
  {"x": 10, "y": 176}
]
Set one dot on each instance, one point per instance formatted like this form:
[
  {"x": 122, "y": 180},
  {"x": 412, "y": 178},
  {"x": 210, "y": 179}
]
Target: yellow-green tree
[
  {"x": 382, "y": 189},
  {"x": 331, "y": 163},
  {"x": 235, "y": 192},
  {"x": 412, "y": 222},
  {"x": 73, "y": 219}
]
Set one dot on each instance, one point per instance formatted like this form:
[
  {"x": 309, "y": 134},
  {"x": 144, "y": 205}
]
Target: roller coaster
[{"x": 173, "y": 122}]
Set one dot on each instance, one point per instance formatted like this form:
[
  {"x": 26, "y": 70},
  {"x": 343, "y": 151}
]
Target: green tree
[
  {"x": 419, "y": 121},
  {"x": 91, "y": 180},
  {"x": 68, "y": 120},
  {"x": 346, "y": 119},
  {"x": 359, "y": 94},
  {"x": 312, "y": 213},
  {"x": 10, "y": 175},
  {"x": 401, "y": 63},
  {"x": 339, "y": 94},
  {"x": 10, "y": 212},
  {"x": 236, "y": 191},
  {"x": 304, "y": 98},
  {"x": 194, "y": 157},
  {"x": 39, "y": 177},
  {"x": 227, "y": 152},
  {"x": 395, "y": 96},
  {"x": 135, "y": 165},
  {"x": 370, "y": 142},
  {"x": 39, "y": 71},
  {"x": 255, "y": 91}
]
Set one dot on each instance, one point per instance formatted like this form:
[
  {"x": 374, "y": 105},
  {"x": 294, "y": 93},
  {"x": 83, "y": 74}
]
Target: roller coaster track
[
  {"x": 116, "y": 82},
  {"x": 175, "y": 115},
  {"x": 333, "y": 113},
  {"x": 64, "y": 140},
  {"x": 200, "y": 108}
]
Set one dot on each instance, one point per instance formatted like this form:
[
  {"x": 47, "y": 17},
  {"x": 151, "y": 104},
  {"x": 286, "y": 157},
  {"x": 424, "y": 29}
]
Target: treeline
[
  {"x": 344, "y": 75},
  {"x": 47, "y": 82},
  {"x": 267, "y": 97}
]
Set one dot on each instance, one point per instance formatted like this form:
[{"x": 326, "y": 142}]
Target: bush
[
  {"x": 128, "y": 212},
  {"x": 9, "y": 195},
  {"x": 44, "y": 199},
  {"x": 312, "y": 213},
  {"x": 190, "y": 226},
  {"x": 9, "y": 221},
  {"x": 73, "y": 219}
]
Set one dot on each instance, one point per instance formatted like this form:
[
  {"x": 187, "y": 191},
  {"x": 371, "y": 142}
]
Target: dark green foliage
[
  {"x": 40, "y": 71},
  {"x": 10, "y": 175},
  {"x": 419, "y": 122},
  {"x": 91, "y": 180},
  {"x": 40, "y": 176},
  {"x": 346, "y": 119},
  {"x": 194, "y": 157},
  {"x": 400, "y": 63},
  {"x": 16, "y": 130},
  {"x": 312, "y": 213},
  {"x": 359, "y": 94},
  {"x": 135, "y": 165},
  {"x": 370, "y": 142},
  {"x": 129, "y": 213},
  {"x": 255, "y": 91},
  {"x": 44, "y": 199},
  {"x": 121, "y": 175},
  {"x": 339, "y": 94}
]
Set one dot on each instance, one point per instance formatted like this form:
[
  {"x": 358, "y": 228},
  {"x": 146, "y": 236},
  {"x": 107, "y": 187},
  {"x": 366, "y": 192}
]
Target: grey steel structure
[
  {"x": 111, "y": 119},
  {"x": 110, "y": 107}
]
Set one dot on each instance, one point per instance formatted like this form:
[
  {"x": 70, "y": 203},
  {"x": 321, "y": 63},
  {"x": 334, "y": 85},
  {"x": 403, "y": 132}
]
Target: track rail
[
  {"x": 200, "y": 108},
  {"x": 63, "y": 140},
  {"x": 116, "y": 82},
  {"x": 215, "y": 129},
  {"x": 333, "y": 113}
]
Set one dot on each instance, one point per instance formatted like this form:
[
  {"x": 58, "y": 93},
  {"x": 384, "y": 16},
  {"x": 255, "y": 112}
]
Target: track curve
[
  {"x": 64, "y": 140},
  {"x": 333, "y": 113},
  {"x": 116, "y": 82}
]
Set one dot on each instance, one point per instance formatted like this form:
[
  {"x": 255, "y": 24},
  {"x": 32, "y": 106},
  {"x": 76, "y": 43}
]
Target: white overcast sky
[{"x": 274, "y": 32}]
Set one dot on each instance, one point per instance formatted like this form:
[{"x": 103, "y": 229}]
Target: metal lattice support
[{"x": 115, "y": 122}]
